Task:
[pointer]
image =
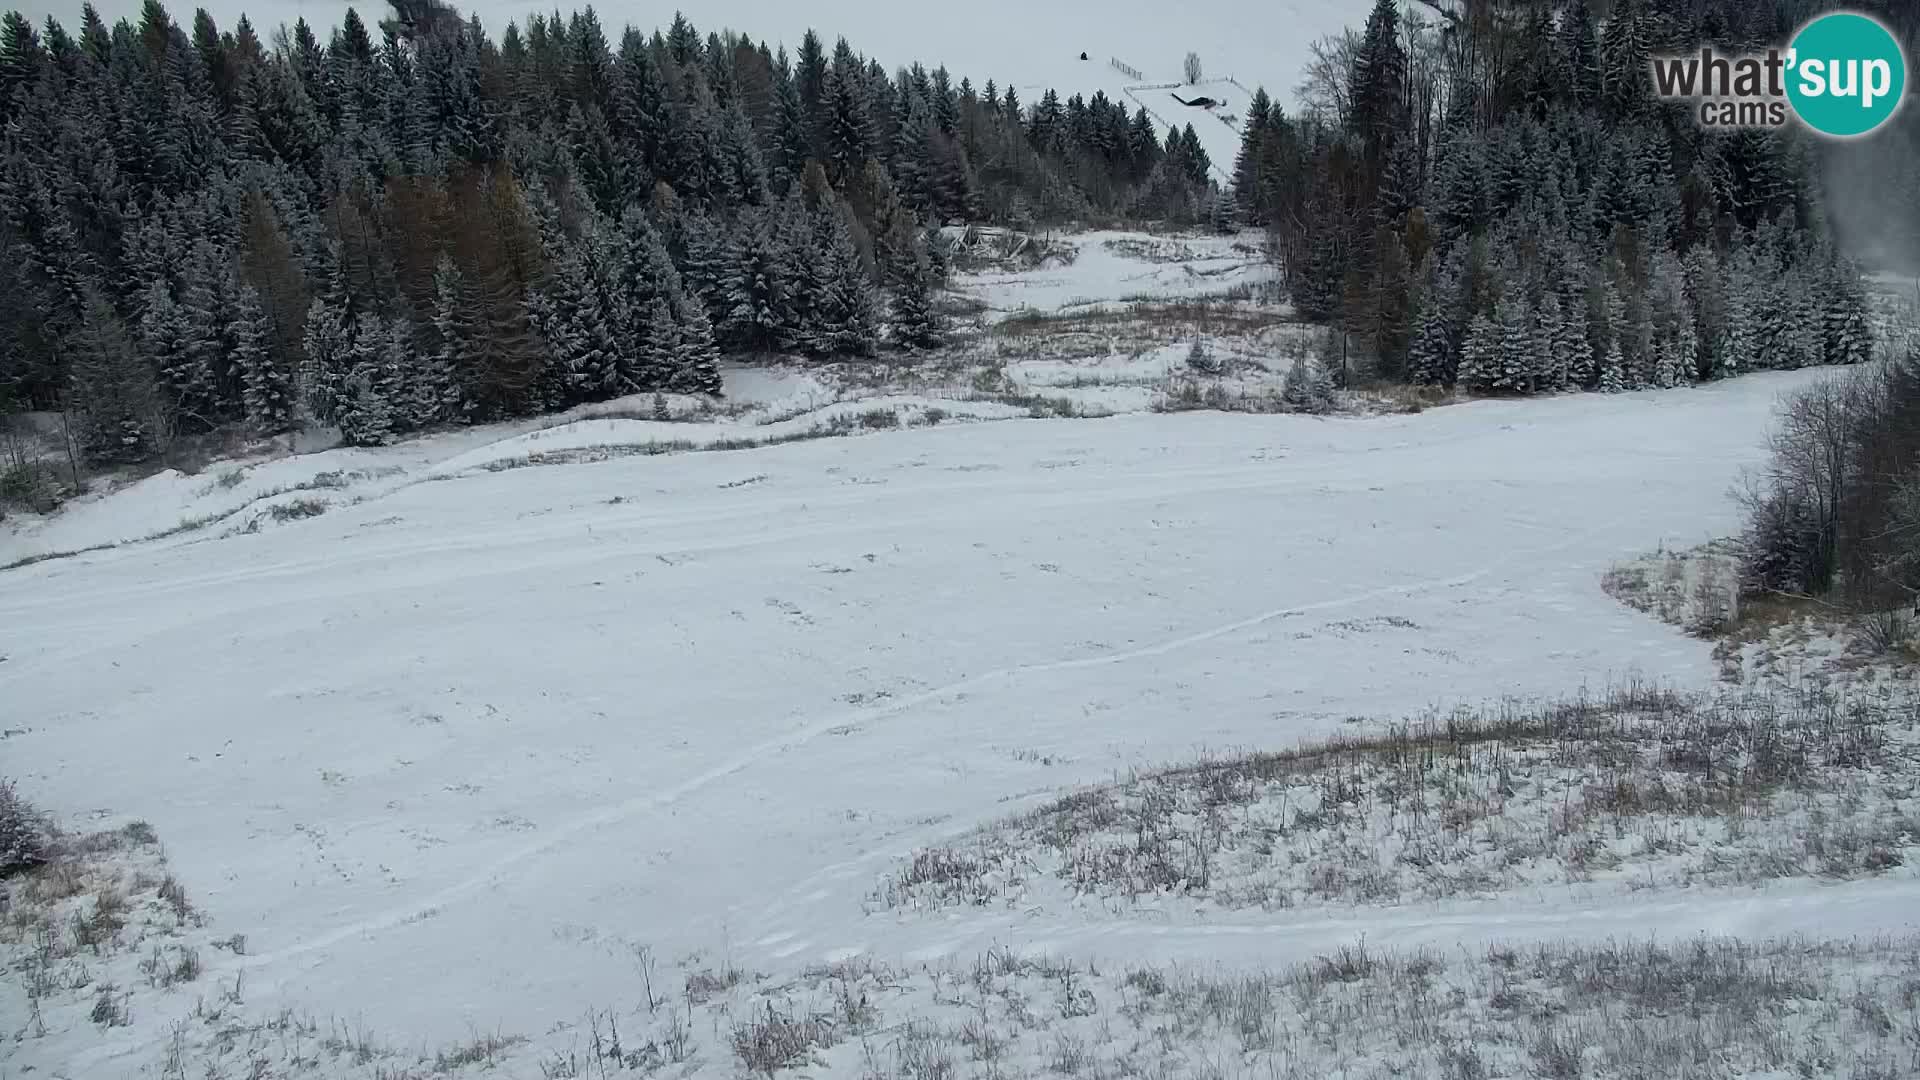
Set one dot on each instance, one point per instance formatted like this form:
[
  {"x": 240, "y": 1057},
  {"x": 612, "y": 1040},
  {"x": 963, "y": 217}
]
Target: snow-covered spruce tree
[
  {"x": 1549, "y": 335},
  {"x": 162, "y": 339},
  {"x": 206, "y": 304},
  {"x": 1686, "y": 353},
  {"x": 581, "y": 341},
  {"x": 697, "y": 364},
  {"x": 1575, "y": 343},
  {"x": 844, "y": 316},
  {"x": 1638, "y": 346},
  {"x": 658, "y": 354},
  {"x": 24, "y": 833},
  {"x": 1201, "y": 358},
  {"x": 1518, "y": 363},
  {"x": 1706, "y": 288},
  {"x": 1306, "y": 387},
  {"x": 268, "y": 386},
  {"x": 415, "y": 403},
  {"x": 1740, "y": 347},
  {"x": 1849, "y": 329},
  {"x": 758, "y": 312},
  {"x": 1613, "y": 370},
  {"x": 365, "y": 418},
  {"x": 1480, "y": 356},
  {"x": 1666, "y": 365},
  {"x": 914, "y": 322},
  {"x": 120, "y": 402},
  {"x": 443, "y": 393},
  {"x": 363, "y": 411},
  {"x": 1429, "y": 357},
  {"x": 1255, "y": 131},
  {"x": 325, "y": 342}
]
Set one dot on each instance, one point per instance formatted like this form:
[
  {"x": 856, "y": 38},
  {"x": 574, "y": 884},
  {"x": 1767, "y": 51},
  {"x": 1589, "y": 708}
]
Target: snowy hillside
[
  {"x": 1127, "y": 359},
  {"x": 448, "y": 756}
]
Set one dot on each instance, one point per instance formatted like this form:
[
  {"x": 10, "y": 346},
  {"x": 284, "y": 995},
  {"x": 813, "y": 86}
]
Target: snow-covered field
[
  {"x": 449, "y": 755},
  {"x": 1110, "y": 269}
]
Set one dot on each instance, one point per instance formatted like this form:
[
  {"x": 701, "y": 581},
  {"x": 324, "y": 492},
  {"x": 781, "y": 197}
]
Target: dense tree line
[
  {"x": 415, "y": 223},
  {"x": 1497, "y": 200}
]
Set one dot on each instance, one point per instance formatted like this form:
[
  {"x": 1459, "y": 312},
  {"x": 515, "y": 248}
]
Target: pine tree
[
  {"x": 1686, "y": 354},
  {"x": 658, "y": 358},
  {"x": 443, "y": 393},
  {"x": 1378, "y": 82},
  {"x": 1518, "y": 367},
  {"x": 1613, "y": 375},
  {"x": 756, "y": 294},
  {"x": 326, "y": 343},
  {"x": 212, "y": 393},
  {"x": 845, "y": 321},
  {"x": 916, "y": 324},
  {"x": 697, "y": 366},
  {"x": 1202, "y": 360},
  {"x": 164, "y": 343},
  {"x": 1429, "y": 359},
  {"x": 119, "y": 401},
  {"x": 1307, "y": 387},
  {"x": 1480, "y": 357},
  {"x": 269, "y": 393},
  {"x": 1247, "y": 166},
  {"x": 848, "y": 132},
  {"x": 1550, "y": 334},
  {"x": 364, "y": 415},
  {"x": 1580, "y": 53},
  {"x": 1849, "y": 331},
  {"x": 1575, "y": 344}
]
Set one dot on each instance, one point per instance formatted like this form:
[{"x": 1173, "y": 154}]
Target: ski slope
[{"x": 447, "y": 755}]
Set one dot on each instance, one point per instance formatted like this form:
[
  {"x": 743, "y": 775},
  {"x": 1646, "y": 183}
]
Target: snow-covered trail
[{"x": 445, "y": 756}]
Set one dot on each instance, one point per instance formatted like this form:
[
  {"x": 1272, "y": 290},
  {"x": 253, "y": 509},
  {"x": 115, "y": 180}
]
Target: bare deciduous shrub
[
  {"x": 297, "y": 509},
  {"x": 174, "y": 895},
  {"x": 777, "y": 1040},
  {"x": 704, "y": 984},
  {"x": 109, "y": 1008}
]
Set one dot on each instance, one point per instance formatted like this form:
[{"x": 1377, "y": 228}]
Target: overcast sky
[{"x": 1028, "y": 42}]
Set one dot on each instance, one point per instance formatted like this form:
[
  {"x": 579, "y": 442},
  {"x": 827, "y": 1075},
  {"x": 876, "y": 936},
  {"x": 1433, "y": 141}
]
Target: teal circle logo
[{"x": 1846, "y": 74}]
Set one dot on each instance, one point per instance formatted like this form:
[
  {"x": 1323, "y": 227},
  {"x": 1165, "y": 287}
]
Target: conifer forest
[{"x": 412, "y": 219}]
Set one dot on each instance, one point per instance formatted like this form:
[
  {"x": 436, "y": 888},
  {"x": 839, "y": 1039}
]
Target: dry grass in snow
[{"x": 1633, "y": 789}]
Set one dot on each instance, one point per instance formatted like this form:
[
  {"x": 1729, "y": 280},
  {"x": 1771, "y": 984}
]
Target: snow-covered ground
[
  {"x": 448, "y": 755},
  {"x": 1108, "y": 270}
]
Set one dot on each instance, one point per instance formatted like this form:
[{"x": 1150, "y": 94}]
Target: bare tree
[
  {"x": 1323, "y": 86},
  {"x": 1193, "y": 67}
]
